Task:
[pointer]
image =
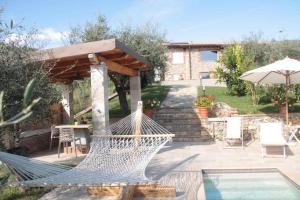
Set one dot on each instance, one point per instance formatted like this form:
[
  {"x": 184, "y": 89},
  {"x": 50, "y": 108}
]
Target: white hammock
[{"x": 119, "y": 157}]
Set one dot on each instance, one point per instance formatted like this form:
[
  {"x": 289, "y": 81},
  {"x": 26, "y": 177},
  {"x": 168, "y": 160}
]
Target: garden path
[{"x": 180, "y": 96}]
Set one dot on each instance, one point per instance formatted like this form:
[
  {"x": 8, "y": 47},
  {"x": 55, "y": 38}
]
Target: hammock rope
[{"x": 118, "y": 158}]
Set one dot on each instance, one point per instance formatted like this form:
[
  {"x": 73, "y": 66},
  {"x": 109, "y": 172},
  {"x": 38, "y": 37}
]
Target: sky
[{"x": 181, "y": 20}]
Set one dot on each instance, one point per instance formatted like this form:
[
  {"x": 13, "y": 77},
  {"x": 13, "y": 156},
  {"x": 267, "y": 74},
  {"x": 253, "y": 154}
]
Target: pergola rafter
[
  {"x": 67, "y": 63},
  {"x": 93, "y": 59}
]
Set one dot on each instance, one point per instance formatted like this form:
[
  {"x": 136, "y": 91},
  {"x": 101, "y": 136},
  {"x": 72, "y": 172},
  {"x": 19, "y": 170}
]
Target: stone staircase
[{"x": 184, "y": 123}]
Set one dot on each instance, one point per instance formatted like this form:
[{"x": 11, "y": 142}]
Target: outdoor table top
[{"x": 74, "y": 126}]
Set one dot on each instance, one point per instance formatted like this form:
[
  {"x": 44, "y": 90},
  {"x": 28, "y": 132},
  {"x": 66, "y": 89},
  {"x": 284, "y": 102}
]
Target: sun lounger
[
  {"x": 271, "y": 134},
  {"x": 233, "y": 130}
]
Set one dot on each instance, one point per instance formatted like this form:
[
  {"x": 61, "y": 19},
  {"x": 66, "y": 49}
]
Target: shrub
[
  {"x": 151, "y": 103},
  {"x": 278, "y": 96},
  {"x": 234, "y": 62}
]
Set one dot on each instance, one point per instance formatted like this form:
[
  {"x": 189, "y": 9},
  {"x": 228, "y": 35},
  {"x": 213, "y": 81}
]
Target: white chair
[
  {"x": 271, "y": 134},
  {"x": 233, "y": 130}
]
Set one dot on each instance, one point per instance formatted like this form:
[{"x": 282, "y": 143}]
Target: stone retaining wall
[{"x": 250, "y": 123}]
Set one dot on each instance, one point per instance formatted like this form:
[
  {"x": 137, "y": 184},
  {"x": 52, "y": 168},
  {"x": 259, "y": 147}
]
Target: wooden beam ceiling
[{"x": 64, "y": 64}]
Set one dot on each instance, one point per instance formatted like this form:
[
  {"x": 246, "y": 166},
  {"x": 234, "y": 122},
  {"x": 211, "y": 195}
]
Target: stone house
[{"x": 187, "y": 61}]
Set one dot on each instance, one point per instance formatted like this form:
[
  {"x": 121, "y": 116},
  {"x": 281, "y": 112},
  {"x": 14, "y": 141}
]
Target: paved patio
[{"x": 181, "y": 164}]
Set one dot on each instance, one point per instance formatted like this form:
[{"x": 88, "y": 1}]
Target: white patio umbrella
[{"x": 285, "y": 71}]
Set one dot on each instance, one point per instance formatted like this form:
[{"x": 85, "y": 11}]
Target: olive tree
[
  {"x": 146, "y": 40},
  {"x": 18, "y": 68},
  {"x": 264, "y": 52},
  {"x": 17, "y": 46}
]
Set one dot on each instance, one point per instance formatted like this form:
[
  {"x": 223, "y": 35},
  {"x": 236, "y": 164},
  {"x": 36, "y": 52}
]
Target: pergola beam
[
  {"x": 116, "y": 67},
  {"x": 69, "y": 62}
]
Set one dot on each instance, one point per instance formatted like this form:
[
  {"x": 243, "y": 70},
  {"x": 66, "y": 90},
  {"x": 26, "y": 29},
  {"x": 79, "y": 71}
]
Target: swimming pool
[{"x": 249, "y": 185}]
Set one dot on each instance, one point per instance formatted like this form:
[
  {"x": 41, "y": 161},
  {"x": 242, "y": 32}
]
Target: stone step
[
  {"x": 191, "y": 134},
  {"x": 176, "y": 116},
  {"x": 179, "y": 121},
  {"x": 188, "y": 136},
  {"x": 175, "y": 110},
  {"x": 192, "y": 139},
  {"x": 184, "y": 123},
  {"x": 180, "y": 128},
  {"x": 187, "y": 132}
]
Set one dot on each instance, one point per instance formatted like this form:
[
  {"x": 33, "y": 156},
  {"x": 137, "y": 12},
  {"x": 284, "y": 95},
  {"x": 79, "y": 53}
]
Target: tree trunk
[
  {"x": 121, "y": 93},
  {"x": 122, "y": 99}
]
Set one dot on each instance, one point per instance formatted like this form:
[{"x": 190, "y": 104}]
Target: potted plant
[
  {"x": 150, "y": 105},
  {"x": 204, "y": 103}
]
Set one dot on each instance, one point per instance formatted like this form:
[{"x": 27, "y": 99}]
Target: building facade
[{"x": 189, "y": 61}]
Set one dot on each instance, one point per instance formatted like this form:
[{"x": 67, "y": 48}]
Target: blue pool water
[{"x": 249, "y": 186}]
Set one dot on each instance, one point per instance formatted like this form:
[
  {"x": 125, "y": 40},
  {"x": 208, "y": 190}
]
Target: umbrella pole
[{"x": 286, "y": 99}]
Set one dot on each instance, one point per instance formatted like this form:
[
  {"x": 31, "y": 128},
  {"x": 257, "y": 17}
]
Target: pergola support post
[
  {"x": 99, "y": 94},
  {"x": 135, "y": 91},
  {"x": 67, "y": 103}
]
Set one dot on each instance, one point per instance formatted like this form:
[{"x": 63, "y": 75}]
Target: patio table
[{"x": 81, "y": 130}]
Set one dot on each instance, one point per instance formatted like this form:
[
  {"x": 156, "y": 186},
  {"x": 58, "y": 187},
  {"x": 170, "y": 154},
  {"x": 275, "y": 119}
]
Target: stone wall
[
  {"x": 199, "y": 65},
  {"x": 250, "y": 123},
  {"x": 182, "y": 71},
  {"x": 177, "y": 71}
]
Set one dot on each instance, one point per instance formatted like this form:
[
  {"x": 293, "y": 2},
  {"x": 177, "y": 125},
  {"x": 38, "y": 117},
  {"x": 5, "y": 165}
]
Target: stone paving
[
  {"x": 180, "y": 163},
  {"x": 206, "y": 82},
  {"x": 191, "y": 158},
  {"x": 180, "y": 96}
]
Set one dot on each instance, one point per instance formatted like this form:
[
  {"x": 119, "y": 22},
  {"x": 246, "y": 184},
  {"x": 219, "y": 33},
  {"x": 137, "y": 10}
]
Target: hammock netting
[{"x": 118, "y": 157}]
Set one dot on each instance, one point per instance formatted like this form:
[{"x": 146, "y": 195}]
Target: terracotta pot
[
  {"x": 282, "y": 110},
  {"x": 203, "y": 111},
  {"x": 148, "y": 112}
]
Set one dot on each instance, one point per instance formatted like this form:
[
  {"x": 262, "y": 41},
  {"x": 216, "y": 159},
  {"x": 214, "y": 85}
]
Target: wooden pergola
[
  {"x": 69, "y": 63},
  {"x": 93, "y": 59}
]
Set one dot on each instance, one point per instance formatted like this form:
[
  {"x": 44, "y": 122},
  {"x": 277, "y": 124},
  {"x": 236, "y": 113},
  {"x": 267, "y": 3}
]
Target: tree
[
  {"x": 146, "y": 40},
  {"x": 17, "y": 70},
  {"x": 26, "y": 111},
  {"x": 265, "y": 52},
  {"x": 234, "y": 62}
]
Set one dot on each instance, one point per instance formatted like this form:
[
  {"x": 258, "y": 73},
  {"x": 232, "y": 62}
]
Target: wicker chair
[{"x": 67, "y": 136}]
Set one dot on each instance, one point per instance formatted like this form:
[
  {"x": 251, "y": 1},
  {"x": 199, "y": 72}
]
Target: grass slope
[
  {"x": 155, "y": 91},
  {"x": 243, "y": 104}
]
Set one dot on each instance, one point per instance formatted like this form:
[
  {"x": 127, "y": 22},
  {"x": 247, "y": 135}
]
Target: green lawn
[
  {"x": 243, "y": 104},
  {"x": 154, "y": 91}
]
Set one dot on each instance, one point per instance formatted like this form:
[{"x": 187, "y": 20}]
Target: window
[
  {"x": 177, "y": 58},
  {"x": 208, "y": 55},
  {"x": 204, "y": 75}
]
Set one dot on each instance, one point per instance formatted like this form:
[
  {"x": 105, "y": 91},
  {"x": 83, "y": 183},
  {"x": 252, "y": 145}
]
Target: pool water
[{"x": 249, "y": 186}]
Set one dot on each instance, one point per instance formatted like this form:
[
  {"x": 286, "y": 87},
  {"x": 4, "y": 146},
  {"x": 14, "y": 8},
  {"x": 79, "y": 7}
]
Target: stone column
[
  {"x": 99, "y": 94},
  {"x": 67, "y": 103},
  {"x": 135, "y": 91}
]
